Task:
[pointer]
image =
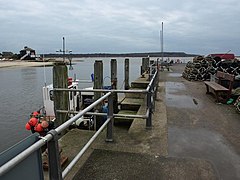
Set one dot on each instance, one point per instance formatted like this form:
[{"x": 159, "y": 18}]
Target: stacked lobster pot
[{"x": 203, "y": 68}]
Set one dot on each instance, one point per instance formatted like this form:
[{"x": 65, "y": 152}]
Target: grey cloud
[{"x": 124, "y": 26}]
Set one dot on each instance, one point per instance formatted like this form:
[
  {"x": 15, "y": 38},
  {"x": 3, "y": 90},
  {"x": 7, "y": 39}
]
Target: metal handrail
[
  {"x": 20, "y": 157},
  {"x": 104, "y": 114},
  {"x": 152, "y": 81},
  {"x": 23, "y": 155},
  {"x": 52, "y": 136},
  {"x": 84, "y": 149},
  {"x": 102, "y": 90},
  {"x": 65, "y": 125}
]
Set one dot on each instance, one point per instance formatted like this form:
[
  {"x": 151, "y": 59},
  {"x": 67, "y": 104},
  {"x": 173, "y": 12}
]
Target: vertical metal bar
[
  {"x": 154, "y": 91},
  {"x": 149, "y": 106},
  {"x": 153, "y": 95},
  {"x": 54, "y": 165},
  {"x": 156, "y": 84},
  {"x": 74, "y": 95},
  {"x": 109, "y": 137}
]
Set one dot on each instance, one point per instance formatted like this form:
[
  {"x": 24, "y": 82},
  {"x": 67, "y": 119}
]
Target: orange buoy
[
  {"x": 70, "y": 81},
  {"x": 27, "y": 126},
  {"x": 38, "y": 128},
  {"x": 35, "y": 113},
  {"x": 44, "y": 124},
  {"x": 33, "y": 121}
]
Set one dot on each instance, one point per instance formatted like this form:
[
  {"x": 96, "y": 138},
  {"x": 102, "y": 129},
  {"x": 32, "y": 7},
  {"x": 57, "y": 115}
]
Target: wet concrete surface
[
  {"x": 200, "y": 128},
  {"x": 142, "y": 166},
  {"x": 192, "y": 138},
  {"x": 205, "y": 144}
]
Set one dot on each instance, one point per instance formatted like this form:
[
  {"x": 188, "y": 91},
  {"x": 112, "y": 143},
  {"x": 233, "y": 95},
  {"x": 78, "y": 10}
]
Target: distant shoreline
[
  {"x": 51, "y": 59},
  {"x": 111, "y": 55},
  {"x": 19, "y": 63}
]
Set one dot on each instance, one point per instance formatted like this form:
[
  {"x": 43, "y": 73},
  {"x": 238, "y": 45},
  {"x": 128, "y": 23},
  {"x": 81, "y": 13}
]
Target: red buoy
[
  {"x": 44, "y": 124},
  {"x": 27, "y": 126},
  {"x": 38, "y": 128},
  {"x": 35, "y": 113},
  {"x": 33, "y": 121},
  {"x": 70, "y": 81}
]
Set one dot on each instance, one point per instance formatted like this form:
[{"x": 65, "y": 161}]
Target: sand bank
[{"x": 6, "y": 64}]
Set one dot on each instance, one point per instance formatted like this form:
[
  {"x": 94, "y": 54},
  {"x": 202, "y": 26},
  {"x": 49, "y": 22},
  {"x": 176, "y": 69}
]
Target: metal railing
[{"x": 51, "y": 139}]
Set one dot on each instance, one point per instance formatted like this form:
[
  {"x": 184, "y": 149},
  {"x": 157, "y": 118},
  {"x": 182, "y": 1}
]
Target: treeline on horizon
[{"x": 150, "y": 54}]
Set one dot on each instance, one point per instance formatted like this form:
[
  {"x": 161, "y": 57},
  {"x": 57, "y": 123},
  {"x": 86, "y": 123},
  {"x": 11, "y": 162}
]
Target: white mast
[{"x": 161, "y": 37}]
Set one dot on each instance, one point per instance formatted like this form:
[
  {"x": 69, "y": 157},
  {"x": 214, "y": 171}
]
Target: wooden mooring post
[
  {"x": 114, "y": 84},
  {"x": 145, "y": 65},
  {"x": 61, "y": 98},
  {"x": 98, "y": 84},
  {"x": 126, "y": 74}
]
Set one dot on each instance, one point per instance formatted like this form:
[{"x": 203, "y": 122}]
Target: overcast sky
[{"x": 117, "y": 26}]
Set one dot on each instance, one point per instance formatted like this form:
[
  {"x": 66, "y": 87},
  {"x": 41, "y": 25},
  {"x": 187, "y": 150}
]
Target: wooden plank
[
  {"x": 215, "y": 86},
  {"x": 126, "y": 74},
  {"x": 226, "y": 76},
  {"x": 229, "y": 77}
]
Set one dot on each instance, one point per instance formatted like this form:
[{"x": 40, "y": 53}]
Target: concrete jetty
[{"x": 187, "y": 140}]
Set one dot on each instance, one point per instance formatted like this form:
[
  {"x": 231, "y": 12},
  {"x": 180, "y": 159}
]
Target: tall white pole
[
  {"x": 162, "y": 41},
  {"x": 44, "y": 72}
]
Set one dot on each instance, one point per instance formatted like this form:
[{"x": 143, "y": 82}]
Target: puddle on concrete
[
  {"x": 175, "y": 75},
  {"x": 181, "y": 101},
  {"x": 204, "y": 144},
  {"x": 172, "y": 87},
  {"x": 175, "y": 99}
]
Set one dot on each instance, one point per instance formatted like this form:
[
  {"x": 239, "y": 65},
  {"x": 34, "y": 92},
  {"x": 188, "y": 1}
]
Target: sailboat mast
[{"x": 162, "y": 42}]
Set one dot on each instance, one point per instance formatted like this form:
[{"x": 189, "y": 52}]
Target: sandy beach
[{"x": 18, "y": 63}]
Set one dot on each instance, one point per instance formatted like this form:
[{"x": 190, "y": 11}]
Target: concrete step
[
  {"x": 142, "y": 82},
  {"x": 139, "y": 84},
  {"x": 135, "y": 95},
  {"x": 124, "y": 120},
  {"x": 132, "y": 104}
]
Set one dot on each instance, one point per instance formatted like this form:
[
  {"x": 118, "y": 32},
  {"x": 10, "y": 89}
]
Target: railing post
[
  {"x": 109, "y": 137},
  {"x": 54, "y": 165},
  {"x": 151, "y": 71},
  {"x": 156, "y": 83},
  {"x": 149, "y": 106},
  {"x": 154, "y": 91}
]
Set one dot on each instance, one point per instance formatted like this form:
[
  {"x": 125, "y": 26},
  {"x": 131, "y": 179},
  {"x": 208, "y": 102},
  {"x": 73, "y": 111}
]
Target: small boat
[{"x": 42, "y": 120}]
